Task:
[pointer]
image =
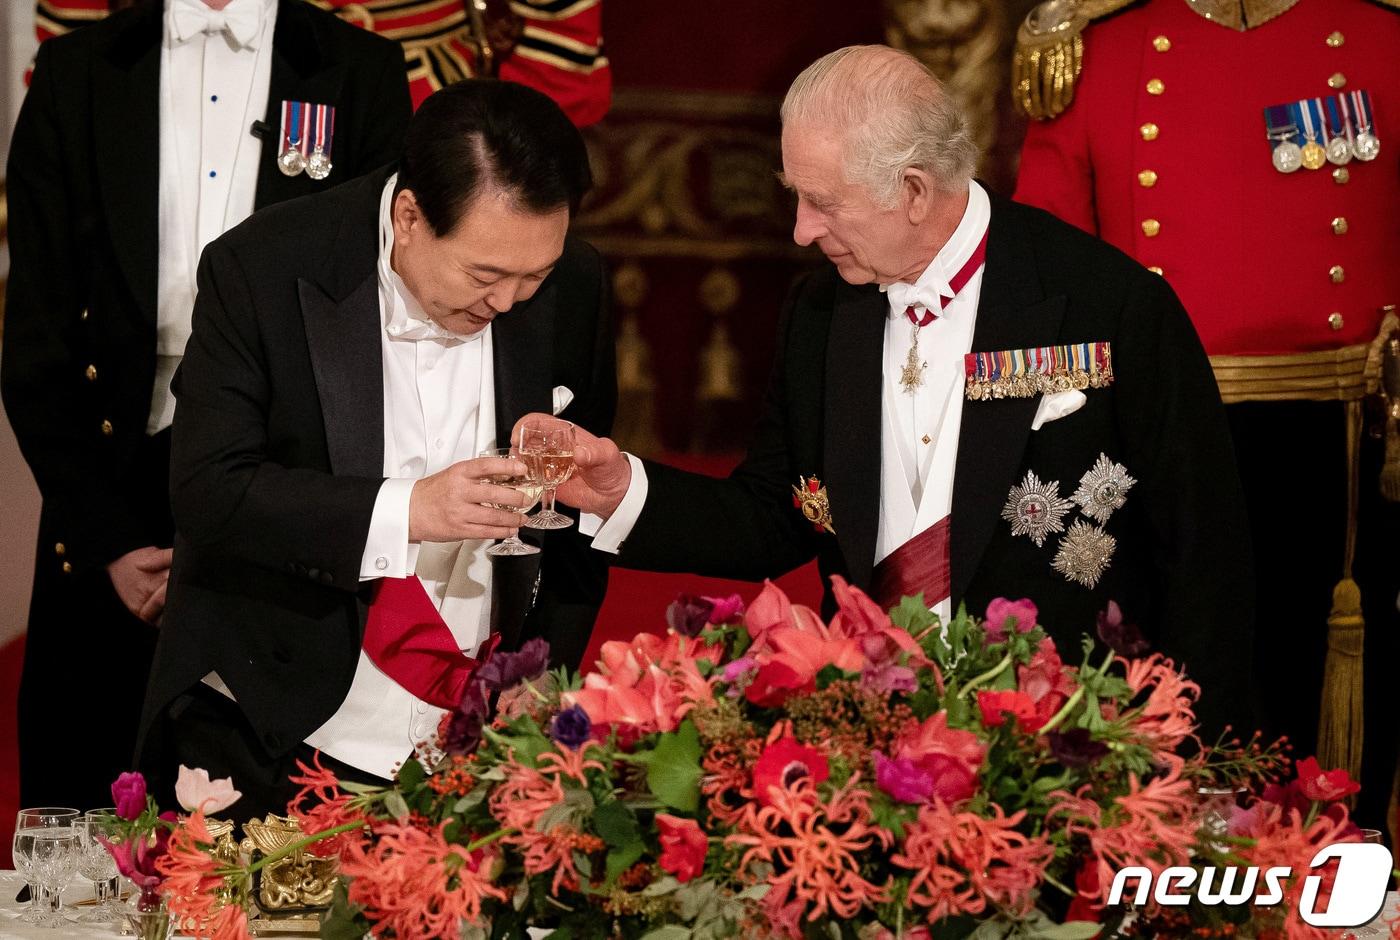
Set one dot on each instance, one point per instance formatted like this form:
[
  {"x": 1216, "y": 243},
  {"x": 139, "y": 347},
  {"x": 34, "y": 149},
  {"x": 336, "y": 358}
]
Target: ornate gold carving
[
  {"x": 299, "y": 881},
  {"x": 1240, "y": 14}
]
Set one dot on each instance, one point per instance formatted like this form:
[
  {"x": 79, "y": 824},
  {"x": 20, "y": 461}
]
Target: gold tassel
[{"x": 1340, "y": 727}]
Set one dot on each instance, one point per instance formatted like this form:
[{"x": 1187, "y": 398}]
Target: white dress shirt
[
  {"x": 916, "y": 478},
  {"x": 439, "y": 408},
  {"x": 213, "y": 86}
]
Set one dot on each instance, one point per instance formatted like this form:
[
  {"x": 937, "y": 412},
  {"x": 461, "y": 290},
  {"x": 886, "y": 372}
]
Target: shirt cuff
[
  {"x": 387, "y": 552},
  {"x": 609, "y": 536}
]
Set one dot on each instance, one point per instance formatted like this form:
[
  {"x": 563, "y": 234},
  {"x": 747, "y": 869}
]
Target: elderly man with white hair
[{"x": 971, "y": 400}]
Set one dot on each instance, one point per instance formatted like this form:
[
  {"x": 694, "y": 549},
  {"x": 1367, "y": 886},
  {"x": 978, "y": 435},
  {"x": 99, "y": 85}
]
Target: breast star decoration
[
  {"x": 1103, "y": 489},
  {"x": 1084, "y": 553},
  {"x": 1035, "y": 509},
  {"x": 1085, "y": 550}
]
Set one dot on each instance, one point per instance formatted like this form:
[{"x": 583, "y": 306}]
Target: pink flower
[
  {"x": 887, "y": 680},
  {"x": 726, "y": 609},
  {"x": 650, "y": 684},
  {"x": 683, "y": 846},
  {"x": 196, "y": 792},
  {"x": 772, "y": 609},
  {"x": 775, "y": 681},
  {"x": 1325, "y": 786},
  {"x": 129, "y": 795},
  {"x": 1046, "y": 680},
  {"x": 903, "y": 779},
  {"x": 950, "y": 756},
  {"x": 1003, "y": 614}
]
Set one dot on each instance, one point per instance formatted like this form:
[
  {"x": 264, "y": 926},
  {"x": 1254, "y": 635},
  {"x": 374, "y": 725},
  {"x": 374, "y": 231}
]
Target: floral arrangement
[{"x": 761, "y": 773}]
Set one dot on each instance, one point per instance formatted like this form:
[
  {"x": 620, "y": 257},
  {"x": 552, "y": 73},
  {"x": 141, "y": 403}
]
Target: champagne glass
[
  {"x": 524, "y": 483},
  {"x": 30, "y": 828},
  {"x": 549, "y": 451},
  {"x": 96, "y": 864}
]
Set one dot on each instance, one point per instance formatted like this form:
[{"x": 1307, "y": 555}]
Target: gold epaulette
[{"x": 1050, "y": 53}]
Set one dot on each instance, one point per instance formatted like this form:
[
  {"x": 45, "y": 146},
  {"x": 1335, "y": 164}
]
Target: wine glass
[
  {"x": 524, "y": 483},
  {"x": 96, "y": 864},
  {"x": 549, "y": 450},
  {"x": 53, "y": 862},
  {"x": 31, "y": 827}
]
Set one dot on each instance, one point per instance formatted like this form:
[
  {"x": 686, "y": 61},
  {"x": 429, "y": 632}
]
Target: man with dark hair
[
  {"x": 142, "y": 138},
  {"x": 352, "y": 354}
]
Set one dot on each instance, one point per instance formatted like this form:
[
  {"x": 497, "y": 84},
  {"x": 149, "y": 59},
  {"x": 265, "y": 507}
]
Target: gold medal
[{"x": 1313, "y": 155}]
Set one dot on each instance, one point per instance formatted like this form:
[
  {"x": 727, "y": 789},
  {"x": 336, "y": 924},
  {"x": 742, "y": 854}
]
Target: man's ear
[
  {"x": 406, "y": 214},
  {"x": 917, "y": 194}
]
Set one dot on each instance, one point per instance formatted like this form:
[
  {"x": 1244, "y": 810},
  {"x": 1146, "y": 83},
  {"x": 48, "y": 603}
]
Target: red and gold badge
[{"x": 810, "y": 496}]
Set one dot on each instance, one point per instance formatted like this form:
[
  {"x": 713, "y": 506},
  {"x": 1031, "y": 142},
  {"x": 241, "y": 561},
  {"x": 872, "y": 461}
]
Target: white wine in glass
[
  {"x": 548, "y": 449},
  {"x": 525, "y": 483}
]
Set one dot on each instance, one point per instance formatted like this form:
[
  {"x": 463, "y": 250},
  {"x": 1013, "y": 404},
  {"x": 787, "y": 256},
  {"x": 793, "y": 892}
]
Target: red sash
[
  {"x": 407, "y": 638},
  {"x": 919, "y": 565}
]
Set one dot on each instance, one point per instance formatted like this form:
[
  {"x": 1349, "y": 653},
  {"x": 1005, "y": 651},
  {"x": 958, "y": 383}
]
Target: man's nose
[
  {"x": 809, "y": 226},
  {"x": 503, "y": 295}
]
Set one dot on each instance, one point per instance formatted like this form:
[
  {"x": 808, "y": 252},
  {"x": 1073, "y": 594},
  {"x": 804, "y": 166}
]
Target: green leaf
[
  {"x": 913, "y": 615},
  {"x": 616, "y": 824},
  {"x": 344, "y": 921},
  {"x": 1074, "y": 930},
  {"x": 622, "y": 858},
  {"x": 472, "y": 800},
  {"x": 673, "y": 768},
  {"x": 669, "y": 932},
  {"x": 410, "y": 775},
  {"x": 396, "y": 805}
]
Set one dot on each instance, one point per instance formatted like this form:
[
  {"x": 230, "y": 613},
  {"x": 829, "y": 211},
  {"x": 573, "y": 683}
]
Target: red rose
[
  {"x": 683, "y": 846},
  {"x": 1326, "y": 786},
  {"x": 783, "y": 763},
  {"x": 774, "y": 682}
]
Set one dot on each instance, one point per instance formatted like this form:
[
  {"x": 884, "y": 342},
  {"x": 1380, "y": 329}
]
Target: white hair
[{"x": 895, "y": 114}]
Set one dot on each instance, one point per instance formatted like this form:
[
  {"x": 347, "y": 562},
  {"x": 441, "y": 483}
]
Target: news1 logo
[{"x": 1358, "y": 892}]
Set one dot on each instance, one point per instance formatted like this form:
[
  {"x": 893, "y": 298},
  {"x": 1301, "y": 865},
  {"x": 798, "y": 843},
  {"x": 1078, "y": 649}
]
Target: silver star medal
[
  {"x": 1084, "y": 553},
  {"x": 1103, "y": 489},
  {"x": 1035, "y": 509}
]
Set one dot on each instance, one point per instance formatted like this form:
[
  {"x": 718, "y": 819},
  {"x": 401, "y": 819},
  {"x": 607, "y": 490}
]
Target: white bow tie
[
  {"x": 241, "y": 20},
  {"x": 928, "y": 296}
]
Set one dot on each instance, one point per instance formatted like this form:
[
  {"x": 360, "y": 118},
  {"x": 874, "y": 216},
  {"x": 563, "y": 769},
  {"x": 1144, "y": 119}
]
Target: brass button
[
  {"x": 83, "y": 315},
  {"x": 1147, "y": 179},
  {"x": 91, "y": 373},
  {"x": 106, "y": 427},
  {"x": 1336, "y": 274},
  {"x": 1155, "y": 270},
  {"x": 59, "y": 549},
  {"x": 1150, "y": 227},
  {"x": 1335, "y": 321},
  {"x": 1335, "y": 39},
  {"x": 1155, "y": 86},
  {"x": 1149, "y": 131},
  {"x": 1339, "y": 225},
  {"x": 67, "y": 568},
  {"x": 1161, "y": 44},
  {"x": 1338, "y": 80},
  {"x": 1341, "y": 175}
]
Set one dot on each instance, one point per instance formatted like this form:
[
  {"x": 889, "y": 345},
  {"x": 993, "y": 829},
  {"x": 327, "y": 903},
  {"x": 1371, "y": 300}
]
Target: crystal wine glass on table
[
  {"x": 525, "y": 483},
  {"x": 34, "y": 828},
  {"x": 96, "y": 864},
  {"x": 549, "y": 450}
]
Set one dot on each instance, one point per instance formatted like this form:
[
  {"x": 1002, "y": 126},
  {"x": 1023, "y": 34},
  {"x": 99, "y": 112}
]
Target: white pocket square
[
  {"x": 562, "y": 397},
  {"x": 1056, "y": 405}
]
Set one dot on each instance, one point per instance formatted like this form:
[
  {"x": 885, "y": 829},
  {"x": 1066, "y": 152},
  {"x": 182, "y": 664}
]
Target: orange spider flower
[
  {"x": 1168, "y": 716},
  {"x": 330, "y": 807},
  {"x": 1282, "y": 840},
  {"x": 963, "y": 862},
  {"x": 524, "y": 796},
  {"x": 192, "y": 882},
  {"x": 1153, "y": 825},
  {"x": 815, "y": 847},
  {"x": 414, "y": 885}
]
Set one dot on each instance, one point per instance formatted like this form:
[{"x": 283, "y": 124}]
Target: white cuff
[
  {"x": 609, "y": 536},
  {"x": 387, "y": 552}
]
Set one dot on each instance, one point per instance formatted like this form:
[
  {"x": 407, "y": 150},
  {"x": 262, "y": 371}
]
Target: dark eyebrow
[{"x": 500, "y": 272}]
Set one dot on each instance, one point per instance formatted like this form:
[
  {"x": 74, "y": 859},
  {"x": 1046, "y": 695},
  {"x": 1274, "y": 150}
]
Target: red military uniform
[
  {"x": 557, "y": 46},
  {"x": 1158, "y": 144}
]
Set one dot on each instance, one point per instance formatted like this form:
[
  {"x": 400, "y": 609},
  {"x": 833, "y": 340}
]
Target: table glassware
[
  {"x": 522, "y": 483},
  {"x": 96, "y": 864},
  {"x": 52, "y": 863},
  {"x": 30, "y": 826},
  {"x": 549, "y": 450}
]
